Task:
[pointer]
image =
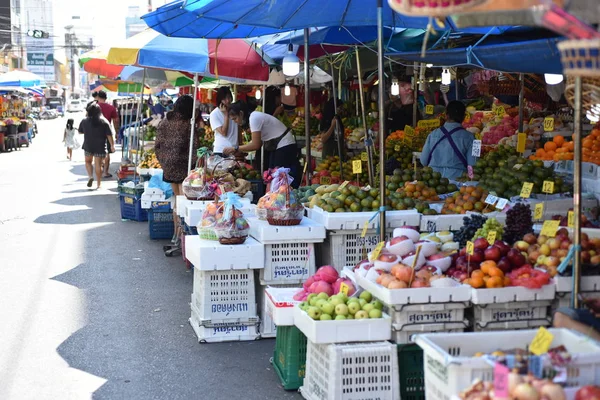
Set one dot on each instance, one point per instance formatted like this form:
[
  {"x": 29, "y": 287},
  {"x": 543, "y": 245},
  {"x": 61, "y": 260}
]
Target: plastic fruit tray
[
  {"x": 208, "y": 255},
  {"x": 512, "y": 293}
]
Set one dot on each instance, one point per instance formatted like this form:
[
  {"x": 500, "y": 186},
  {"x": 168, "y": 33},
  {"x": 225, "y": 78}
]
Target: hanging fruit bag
[
  {"x": 281, "y": 205},
  {"x": 197, "y": 184},
  {"x": 231, "y": 226}
]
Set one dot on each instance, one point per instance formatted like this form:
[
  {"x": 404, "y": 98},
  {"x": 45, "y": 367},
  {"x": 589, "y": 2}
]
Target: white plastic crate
[
  {"x": 356, "y": 371},
  {"x": 451, "y": 366},
  {"x": 400, "y": 297},
  {"x": 267, "y": 327},
  {"x": 452, "y": 222},
  {"x": 307, "y": 231},
  {"x": 225, "y": 296},
  {"x": 280, "y": 304},
  {"x": 343, "y": 248},
  {"x": 210, "y": 255},
  {"x": 494, "y": 315},
  {"x": 406, "y": 334},
  {"x": 426, "y": 314},
  {"x": 288, "y": 263},
  {"x": 222, "y": 332},
  {"x": 356, "y": 220},
  {"x": 512, "y": 293},
  {"x": 344, "y": 331},
  {"x": 586, "y": 284}
]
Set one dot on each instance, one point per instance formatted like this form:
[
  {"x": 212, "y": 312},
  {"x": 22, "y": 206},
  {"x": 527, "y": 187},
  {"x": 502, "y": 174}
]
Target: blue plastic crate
[
  {"x": 161, "y": 206},
  {"x": 160, "y": 224},
  {"x": 131, "y": 208}
]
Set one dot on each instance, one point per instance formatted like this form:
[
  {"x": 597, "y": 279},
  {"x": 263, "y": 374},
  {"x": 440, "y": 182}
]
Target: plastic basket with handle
[
  {"x": 289, "y": 357},
  {"x": 160, "y": 224},
  {"x": 580, "y": 57},
  {"x": 590, "y": 94}
]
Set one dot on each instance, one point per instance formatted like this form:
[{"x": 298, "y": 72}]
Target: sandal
[
  {"x": 89, "y": 184},
  {"x": 107, "y": 176}
]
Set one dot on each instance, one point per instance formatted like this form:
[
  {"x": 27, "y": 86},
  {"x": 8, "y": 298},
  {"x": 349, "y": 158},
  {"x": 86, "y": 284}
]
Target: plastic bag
[
  {"x": 157, "y": 182},
  {"x": 218, "y": 163},
  {"x": 197, "y": 185},
  {"x": 280, "y": 205},
  {"x": 206, "y": 227},
  {"x": 231, "y": 226}
]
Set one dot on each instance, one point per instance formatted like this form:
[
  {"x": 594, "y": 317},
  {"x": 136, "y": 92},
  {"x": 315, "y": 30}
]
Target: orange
[
  {"x": 540, "y": 152},
  {"x": 570, "y": 146},
  {"x": 477, "y": 282},
  {"x": 559, "y": 140},
  {"x": 507, "y": 281},
  {"x": 549, "y": 154},
  {"x": 487, "y": 265},
  {"x": 495, "y": 271},
  {"x": 550, "y": 146},
  {"x": 477, "y": 274},
  {"x": 494, "y": 282}
]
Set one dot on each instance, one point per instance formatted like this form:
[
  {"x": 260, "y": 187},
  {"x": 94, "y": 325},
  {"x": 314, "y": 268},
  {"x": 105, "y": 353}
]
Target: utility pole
[{"x": 70, "y": 51}]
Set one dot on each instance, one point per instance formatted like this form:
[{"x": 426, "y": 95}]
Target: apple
[
  {"x": 325, "y": 317},
  {"x": 368, "y": 307},
  {"x": 522, "y": 245},
  {"x": 366, "y": 295},
  {"x": 323, "y": 296},
  {"x": 533, "y": 256},
  {"x": 335, "y": 300},
  {"x": 481, "y": 243},
  {"x": 542, "y": 239},
  {"x": 398, "y": 239},
  {"x": 327, "y": 308},
  {"x": 516, "y": 258},
  {"x": 419, "y": 283},
  {"x": 353, "y": 307},
  {"x": 565, "y": 232},
  {"x": 530, "y": 238},
  {"x": 379, "y": 305},
  {"x": 595, "y": 260},
  {"x": 340, "y": 317},
  {"x": 462, "y": 263},
  {"x": 478, "y": 255},
  {"x": 503, "y": 246},
  {"x": 504, "y": 264},
  {"x": 303, "y": 305},
  {"x": 341, "y": 309},
  {"x": 311, "y": 297},
  {"x": 553, "y": 243},
  {"x": 375, "y": 313},
  {"x": 361, "y": 314},
  {"x": 362, "y": 302},
  {"x": 461, "y": 276},
  {"x": 565, "y": 244},
  {"x": 585, "y": 257},
  {"x": 492, "y": 253},
  {"x": 552, "y": 261},
  {"x": 314, "y": 312},
  {"x": 437, "y": 256},
  {"x": 387, "y": 257}
]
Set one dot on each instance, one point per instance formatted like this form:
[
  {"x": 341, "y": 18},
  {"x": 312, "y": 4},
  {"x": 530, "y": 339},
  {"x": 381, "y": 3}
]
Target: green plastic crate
[
  {"x": 289, "y": 358},
  {"x": 411, "y": 371}
]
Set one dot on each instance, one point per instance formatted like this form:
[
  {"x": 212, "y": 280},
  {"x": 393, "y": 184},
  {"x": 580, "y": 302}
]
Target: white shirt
[
  {"x": 270, "y": 128},
  {"x": 217, "y": 119}
]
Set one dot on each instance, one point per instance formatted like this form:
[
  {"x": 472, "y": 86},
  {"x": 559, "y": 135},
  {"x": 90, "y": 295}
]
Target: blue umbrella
[
  {"x": 21, "y": 79},
  {"x": 337, "y": 35}
]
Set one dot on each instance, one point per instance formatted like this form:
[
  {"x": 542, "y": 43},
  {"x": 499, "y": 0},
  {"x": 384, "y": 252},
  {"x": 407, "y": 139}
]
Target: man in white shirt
[{"x": 226, "y": 132}]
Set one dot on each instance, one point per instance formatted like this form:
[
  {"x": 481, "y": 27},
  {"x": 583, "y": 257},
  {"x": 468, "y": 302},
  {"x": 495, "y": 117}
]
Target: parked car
[{"x": 75, "y": 106}]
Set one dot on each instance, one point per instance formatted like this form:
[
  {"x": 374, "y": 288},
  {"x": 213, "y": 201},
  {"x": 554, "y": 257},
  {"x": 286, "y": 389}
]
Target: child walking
[{"x": 69, "y": 138}]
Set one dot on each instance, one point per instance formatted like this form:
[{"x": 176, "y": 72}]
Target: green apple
[
  {"x": 378, "y": 305},
  {"x": 313, "y": 301},
  {"x": 349, "y": 316},
  {"x": 320, "y": 302},
  {"x": 325, "y": 317},
  {"x": 310, "y": 297},
  {"x": 314, "y": 312},
  {"x": 367, "y": 296},
  {"x": 341, "y": 309},
  {"x": 368, "y": 307},
  {"x": 303, "y": 305},
  {"x": 342, "y": 296},
  {"x": 375, "y": 313},
  {"x": 335, "y": 300},
  {"x": 323, "y": 296},
  {"x": 352, "y": 300},
  {"x": 327, "y": 308},
  {"x": 353, "y": 307},
  {"x": 361, "y": 315},
  {"x": 340, "y": 317},
  {"x": 362, "y": 302}
]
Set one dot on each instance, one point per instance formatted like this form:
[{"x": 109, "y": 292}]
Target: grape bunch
[
  {"x": 518, "y": 222},
  {"x": 470, "y": 225},
  {"x": 490, "y": 225}
]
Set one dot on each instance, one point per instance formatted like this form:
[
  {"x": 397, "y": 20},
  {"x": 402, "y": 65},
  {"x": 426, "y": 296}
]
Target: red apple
[
  {"x": 461, "y": 263},
  {"x": 481, "y": 243},
  {"x": 463, "y": 252},
  {"x": 516, "y": 258},
  {"x": 398, "y": 239},
  {"x": 503, "y": 246},
  {"x": 478, "y": 255},
  {"x": 585, "y": 257},
  {"x": 504, "y": 264},
  {"x": 492, "y": 253},
  {"x": 386, "y": 257},
  {"x": 530, "y": 238},
  {"x": 563, "y": 231},
  {"x": 437, "y": 256},
  {"x": 461, "y": 276}
]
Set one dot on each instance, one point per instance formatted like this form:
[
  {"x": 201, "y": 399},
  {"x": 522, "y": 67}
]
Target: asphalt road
[{"x": 90, "y": 307}]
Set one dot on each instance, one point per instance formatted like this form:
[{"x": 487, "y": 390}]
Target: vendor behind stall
[
  {"x": 327, "y": 128},
  {"x": 400, "y": 111},
  {"x": 448, "y": 149}
]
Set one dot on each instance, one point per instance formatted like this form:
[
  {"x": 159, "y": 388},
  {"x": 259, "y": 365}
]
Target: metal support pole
[
  {"x": 307, "y": 105},
  {"x": 382, "y": 201},
  {"x": 368, "y": 139},
  {"x": 415, "y": 93},
  {"x": 193, "y": 124},
  {"x": 139, "y": 125},
  {"x": 521, "y": 100},
  {"x": 577, "y": 138},
  {"x": 262, "y": 148},
  {"x": 337, "y": 127},
  {"x": 456, "y": 91}
]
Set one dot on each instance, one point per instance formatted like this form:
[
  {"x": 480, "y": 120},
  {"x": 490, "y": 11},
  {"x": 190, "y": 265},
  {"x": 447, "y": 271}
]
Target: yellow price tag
[
  {"x": 325, "y": 180},
  {"x": 467, "y": 117},
  {"x": 541, "y": 342},
  {"x": 364, "y": 229},
  {"x": 531, "y": 121},
  {"x": 550, "y": 227},
  {"x": 570, "y": 219},
  {"x": 429, "y": 109},
  {"x": 364, "y": 156},
  {"x": 491, "y": 237},
  {"x": 397, "y": 147},
  {"x": 429, "y": 123},
  {"x": 526, "y": 190},
  {"x": 344, "y": 289},
  {"x": 521, "y": 142},
  {"x": 409, "y": 131},
  {"x": 470, "y": 248},
  {"x": 500, "y": 111},
  {"x": 548, "y": 187},
  {"x": 548, "y": 124},
  {"x": 538, "y": 212},
  {"x": 128, "y": 200},
  {"x": 356, "y": 167},
  {"x": 305, "y": 165},
  {"x": 343, "y": 185},
  {"x": 377, "y": 250}
]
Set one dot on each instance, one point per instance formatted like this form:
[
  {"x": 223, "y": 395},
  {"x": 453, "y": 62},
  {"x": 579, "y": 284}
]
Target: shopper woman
[
  {"x": 268, "y": 130},
  {"x": 96, "y": 131},
  {"x": 226, "y": 132}
]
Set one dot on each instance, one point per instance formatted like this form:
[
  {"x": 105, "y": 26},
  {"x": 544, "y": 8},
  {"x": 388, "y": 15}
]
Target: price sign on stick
[
  {"x": 429, "y": 109},
  {"x": 325, "y": 180},
  {"x": 570, "y": 219},
  {"x": 526, "y": 190},
  {"x": 476, "y": 152},
  {"x": 364, "y": 229},
  {"x": 491, "y": 199},
  {"x": 521, "y": 142},
  {"x": 357, "y": 167},
  {"x": 541, "y": 342},
  {"x": 548, "y": 124},
  {"x": 501, "y": 204},
  {"x": 409, "y": 131},
  {"x": 491, "y": 237},
  {"x": 470, "y": 248},
  {"x": 500, "y": 111},
  {"x": 538, "y": 212},
  {"x": 548, "y": 187},
  {"x": 377, "y": 250},
  {"x": 501, "y": 381},
  {"x": 343, "y": 185},
  {"x": 344, "y": 289},
  {"x": 550, "y": 227},
  {"x": 364, "y": 156}
]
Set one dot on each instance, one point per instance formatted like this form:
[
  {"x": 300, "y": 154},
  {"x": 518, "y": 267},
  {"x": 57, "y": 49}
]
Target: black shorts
[{"x": 289, "y": 108}]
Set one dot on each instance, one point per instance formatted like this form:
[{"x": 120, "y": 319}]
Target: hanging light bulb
[
  {"x": 429, "y": 65},
  {"x": 286, "y": 89},
  {"x": 257, "y": 94},
  {"x": 593, "y": 115},
  {"x": 395, "y": 87},
  {"x": 553, "y": 79},
  {"x": 444, "y": 88},
  {"x": 291, "y": 63},
  {"x": 446, "y": 77}
]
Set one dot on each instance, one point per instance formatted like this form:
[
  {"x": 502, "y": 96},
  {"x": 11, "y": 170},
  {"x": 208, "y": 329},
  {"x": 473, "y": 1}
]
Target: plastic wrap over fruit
[{"x": 231, "y": 224}]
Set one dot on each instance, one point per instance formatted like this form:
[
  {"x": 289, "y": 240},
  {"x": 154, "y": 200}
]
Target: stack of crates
[
  {"x": 160, "y": 220},
  {"x": 589, "y": 287},
  {"x": 130, "y": 199},
  {"x": 223, "y": 300}
]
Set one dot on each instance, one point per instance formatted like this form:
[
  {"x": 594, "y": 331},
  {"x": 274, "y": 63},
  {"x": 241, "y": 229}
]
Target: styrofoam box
[
  {"x": 209, "y": 255},
  {"x": 512, "y": 325},
  {"x": 308, "y": 231},
  {"x": 407, "y": 334},
  {"x": 180, "y": 204},
  {"x": 280, "y": 304},
  {"x": 222, "y": 332},
  {"x": 288, "y": 263},
  {"x": 356, "y": 220},
  {"x": 512, "y": 293},
  {"x": 451, "y": 366},
  {"x": 357, "y": 371},
  {"x": 343, "y": 248},
  {"x": 587, "y": 283},
  {"x": 225, "y": 296},
  {"x": 452, "y": 222},
  {"x": 344, "y": 331},
  {"x": 426, "y": 314},
  {"x": 510, "y": 312},
  {"x": 561, "y": 206},
  {"x": 268, "y": 327},
  {"x": 194, "y": 210},
  {"x": 394, "y": 297}
]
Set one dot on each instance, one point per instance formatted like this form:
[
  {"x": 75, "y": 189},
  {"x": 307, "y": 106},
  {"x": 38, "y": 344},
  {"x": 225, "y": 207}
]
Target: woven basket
[
  {"x": 233, "y": 240},
  {"x": 433, "y": 8},
  {"x": 288, "y": 217},
  {"x": 580, "y": 57},
  {"x": 590, "y": 94},
  {"x": 505, "y": 87}
]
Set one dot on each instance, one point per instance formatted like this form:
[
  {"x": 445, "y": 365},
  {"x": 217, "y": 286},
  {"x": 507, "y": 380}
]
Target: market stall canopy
[
  {"x": 119, "y": 86},
  {"x": 534, "y": 56},
  {"x": 341, "y": 35},
  {"x": 21, "y": 79}
]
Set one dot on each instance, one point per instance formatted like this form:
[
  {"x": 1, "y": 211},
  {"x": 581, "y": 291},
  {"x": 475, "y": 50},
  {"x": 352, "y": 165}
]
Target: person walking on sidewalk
[
  {"x": 96, "y": 131},
  {"x": 110, "y": 113},
  {"x": 69, "y": 138}
]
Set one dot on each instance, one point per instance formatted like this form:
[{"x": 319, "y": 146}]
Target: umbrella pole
[
  {"x": 368, "y": 139},
  {"x": 521, "y": 98},
  {"x": 193, "y": 124},
  {"x": 139, "y": 124},
  {"x": 577, "y": 195},
  {"x": 337, "y": 127},
  {"x": 307, "y": 106},
  {"x": 415, "y": 92},
  {"x": 262, "y": 147},
  {"x": 381, "y": 121}
]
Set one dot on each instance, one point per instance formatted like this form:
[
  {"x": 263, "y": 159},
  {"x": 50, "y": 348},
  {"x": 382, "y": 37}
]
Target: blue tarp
[{"x": 534, "y": 56}]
